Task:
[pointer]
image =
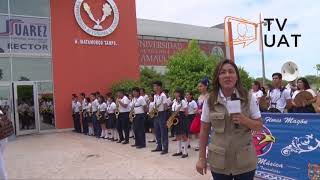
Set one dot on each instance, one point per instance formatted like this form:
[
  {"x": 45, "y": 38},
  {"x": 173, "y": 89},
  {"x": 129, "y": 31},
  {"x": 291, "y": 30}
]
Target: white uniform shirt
[
  {"x": 160, "y": 101},
  {"x": 146, "y": 98},
  {"x": 102, "y": 107},
  {"x": 89, "y": 105},
  {"x": 257, "y": 94},
  {"x": 254, "y": 108},
  {"x": 124, "y": 100},
  {"x": 309, "y": 90},
  {"x": 151, "y": 106},
  {"x": 176, "y": 105},
  {"x": 138, "y": 105},
  {"x": 280, "y": 99},
  {"x": 76, "y": 106},
  {"x": 111, "y": 108},
  {"x": 192, "y": 107},
  {"x": 95, "y": 105},
  {"x": 84, "y": 105}
]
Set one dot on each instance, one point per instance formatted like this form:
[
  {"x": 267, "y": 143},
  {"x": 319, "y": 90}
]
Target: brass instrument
[
  {"x": 154, "y": 112},
  {"x": 117, "y": 112},
  {"x": 99, "y": 115},
  {"x": 90, "y": 111},
  {"x": 264, "y": 103},
  {"x": 132, "y": 114},
  {"x": 174, "y": 118}
]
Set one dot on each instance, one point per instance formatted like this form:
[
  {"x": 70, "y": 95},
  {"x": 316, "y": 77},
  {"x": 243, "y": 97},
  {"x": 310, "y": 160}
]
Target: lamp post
[{"x": 262, "y": 51}]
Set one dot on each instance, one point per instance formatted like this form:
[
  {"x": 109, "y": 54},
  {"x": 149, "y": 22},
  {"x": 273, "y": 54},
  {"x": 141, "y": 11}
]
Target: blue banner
[{"x": 288, "y": 147}]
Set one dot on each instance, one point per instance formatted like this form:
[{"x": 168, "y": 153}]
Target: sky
[{"x": 303, "y": 17}]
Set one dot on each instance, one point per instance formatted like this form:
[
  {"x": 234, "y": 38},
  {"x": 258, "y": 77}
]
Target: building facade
[{"x": 50, "y": 49}]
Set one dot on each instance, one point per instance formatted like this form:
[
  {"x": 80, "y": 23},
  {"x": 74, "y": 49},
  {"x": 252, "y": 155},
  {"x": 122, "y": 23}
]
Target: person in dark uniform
[
  {"x": 180, "y": 108},
  {"x": 102, "y": 109},
  {"x": 111, "y": 122},
  {"x": 76, "y": 113}
]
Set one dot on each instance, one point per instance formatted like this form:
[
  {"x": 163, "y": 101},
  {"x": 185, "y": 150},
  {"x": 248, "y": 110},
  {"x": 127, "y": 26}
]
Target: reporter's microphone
[{"x": 234, "y": 98}]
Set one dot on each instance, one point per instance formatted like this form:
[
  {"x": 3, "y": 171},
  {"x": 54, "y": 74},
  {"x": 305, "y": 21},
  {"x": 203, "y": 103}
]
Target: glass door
[
  {"x": 26, "y": 108},
  {"x": 6, "y": 100}
]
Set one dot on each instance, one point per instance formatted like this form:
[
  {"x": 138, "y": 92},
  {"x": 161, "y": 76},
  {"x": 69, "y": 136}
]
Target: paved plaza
[{"x": 69, "y": 155}]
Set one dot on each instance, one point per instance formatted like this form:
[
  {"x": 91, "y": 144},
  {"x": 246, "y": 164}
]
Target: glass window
[
  {"x": 5, "y": 69},
  {"x": 28, "y": 69},
  {"x": 46, "y": 105},
  {"x": 30, "y": 7},
  {"x": 4, "y": 6}
]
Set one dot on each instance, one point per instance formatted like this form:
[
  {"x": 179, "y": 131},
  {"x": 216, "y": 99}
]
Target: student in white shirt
[
  {"x": 180, "y": 106},
  {"x": 151, "y": 120},
  {"x": 256, "y": 90},
  {"x": 192, "y": 110},
  {"x": 76, "y": 105},
  {"x": 84, "y": 103},
  {"x": 144, "y": 95},
  {"x": 160, "y": 127},
  {"x": 123, "y": 119},
  {"x": 131, "y": 133},
  {"x": 96, "y": 124},
  {"x": 279, "y": 96},
  {"x": 303, "y": 85},
  {"x": 88, "y": 116},
  {"x": 139, "y": 106},
  {"x": 102, "y": 110},
  {"x": 111, "y": 121}
]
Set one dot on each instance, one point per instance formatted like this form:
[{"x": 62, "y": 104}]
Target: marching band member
[
  {"x": 76, "y": 105},
  {"x": 84, "y": 106},
  {"x": 88, "y": 116},
  {"x": 139, "y": 106},
  {"x": 144, "y": 95},
  {"x": 256, "y": 90},
  {"x": 180, "y": 106},
  {"x": 131, "y": 132},
  {"x": 102, "y": 108},
  {"x": 150, "y": 119},
  {"x": 111, "y": 122},
  {"x": 95, "y": 123},
  {"x": 203, "y": 87},
  {"x": 192, "y": 109},
  {"x": 279, "y": 96},
  {"x": 160, "y": 127},
  {"x": 123, "y": 120},
  {"x": 303, "y": 85}
]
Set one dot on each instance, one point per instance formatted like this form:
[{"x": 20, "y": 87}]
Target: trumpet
[
  {"x": 99, "y": 115},
  {"x": 132, "y": 114},
  {"x": 174, "y": 118},
  {"x": 117, "y": 112}
]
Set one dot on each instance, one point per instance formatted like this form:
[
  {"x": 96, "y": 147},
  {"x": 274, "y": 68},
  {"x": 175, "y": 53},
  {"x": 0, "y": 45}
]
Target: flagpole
[{"x": 262, "y": 51}]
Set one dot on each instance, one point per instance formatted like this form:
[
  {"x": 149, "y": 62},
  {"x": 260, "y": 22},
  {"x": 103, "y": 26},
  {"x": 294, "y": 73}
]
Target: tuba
[
  {"x": 174, "y": 118},
  {"x": 117, "y": 111},
  {"x": 289, "y": 71}
]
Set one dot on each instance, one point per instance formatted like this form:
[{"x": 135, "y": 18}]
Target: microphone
[{"x": 234, "y": 98}]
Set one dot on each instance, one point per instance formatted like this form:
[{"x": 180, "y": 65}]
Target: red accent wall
[{"x": 86, "y": 68}]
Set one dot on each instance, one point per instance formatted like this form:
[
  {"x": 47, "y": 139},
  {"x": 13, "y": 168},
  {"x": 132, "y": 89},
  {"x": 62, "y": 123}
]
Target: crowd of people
[{"x": 134, "y": 114}]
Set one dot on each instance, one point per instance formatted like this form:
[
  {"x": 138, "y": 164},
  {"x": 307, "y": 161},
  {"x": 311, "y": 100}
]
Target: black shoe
[
  {"x": 125, "y": 142},
  {"x": 131, "y": 137},
  {"x": 174, "y": 139},
  {"x": 164, "y": 152},
  {"x": 177, "y": 154},
  {"x": 196, "y": 149},
  {"x": 189, "y": 146},
  {"x": 115, "y": 139},
  {"x": 111, "y": 139},
  {"x": 133, "y": 145},
  {"x": 184, "y": 156},
  {"x": 153, "y": 141},
  {"x": 140, "y": 147},
  {"x": 156, "y": 150},
  {"x": 172, "y": 136},
  {"x": 119, "y": 141}
]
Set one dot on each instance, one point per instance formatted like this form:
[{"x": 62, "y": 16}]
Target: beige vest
[{"x": 231, "y": 150}]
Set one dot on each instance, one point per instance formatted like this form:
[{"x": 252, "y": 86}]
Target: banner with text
[
  {"x": 25, "y": 35},
  {"x": 288, "y": 147}
]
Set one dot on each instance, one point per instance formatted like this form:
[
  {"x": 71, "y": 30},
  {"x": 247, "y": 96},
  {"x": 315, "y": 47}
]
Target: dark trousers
[
  {"x": 123, "y": 126},
  {"x": 96, "y": 125},
  {"x": 85, "y": 123},
  {"x": 161, "y": 130},
  {"x": 76, "y": 122},
  {"x": 139, "y": 130},
  {"x": 244, "y": 176}
]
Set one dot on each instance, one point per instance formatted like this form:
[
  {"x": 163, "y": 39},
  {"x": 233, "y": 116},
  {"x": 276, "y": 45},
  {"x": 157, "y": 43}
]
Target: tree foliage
[
  {"x": 245, "y": 78},
  {"x": 148, "y": 76},
  {"x": 188, "y": 66}
]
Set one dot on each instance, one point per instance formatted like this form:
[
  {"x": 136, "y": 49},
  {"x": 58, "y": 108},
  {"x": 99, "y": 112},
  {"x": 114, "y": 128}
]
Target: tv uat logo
[
  {"x": 97, "y": 25},
  {"x": 263, "y": 141}
]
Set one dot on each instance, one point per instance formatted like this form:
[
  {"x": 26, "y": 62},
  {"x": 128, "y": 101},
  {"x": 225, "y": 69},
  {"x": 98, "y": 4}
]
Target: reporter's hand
[
  {"x": 202, "y": 166},
  {"x": 239, "y": 118}
]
